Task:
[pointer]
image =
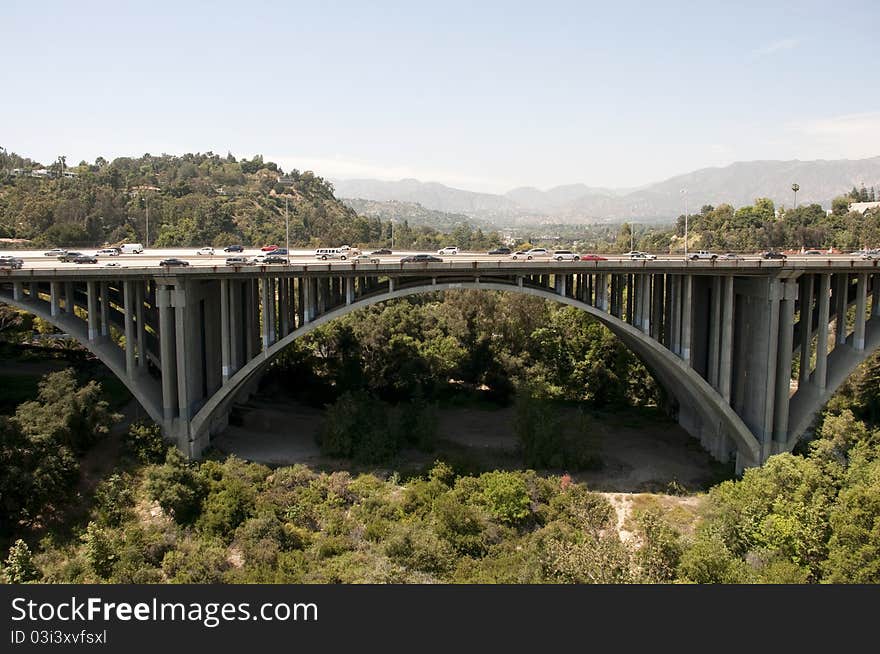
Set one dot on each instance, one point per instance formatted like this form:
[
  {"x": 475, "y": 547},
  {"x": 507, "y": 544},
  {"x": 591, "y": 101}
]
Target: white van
[
  {"x": 333, "y": 253},
  {"x": 132, "y": 248}
]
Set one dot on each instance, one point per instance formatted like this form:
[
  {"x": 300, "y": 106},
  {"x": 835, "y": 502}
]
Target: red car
[
  {"x": 592, "y": 257},
  {"x": 269, "y": 248}
]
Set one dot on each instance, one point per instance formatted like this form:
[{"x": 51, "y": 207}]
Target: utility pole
[
  {"x": 684, "y": 194},
  {"x": 795, "y": 188}
]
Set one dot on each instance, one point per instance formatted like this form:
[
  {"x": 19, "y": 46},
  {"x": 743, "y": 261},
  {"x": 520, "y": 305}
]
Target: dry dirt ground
[{"x": 638, "y": 456}]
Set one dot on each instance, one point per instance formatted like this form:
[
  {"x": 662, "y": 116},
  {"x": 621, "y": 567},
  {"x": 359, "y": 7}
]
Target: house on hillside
[{"x": 862, "y": 207}]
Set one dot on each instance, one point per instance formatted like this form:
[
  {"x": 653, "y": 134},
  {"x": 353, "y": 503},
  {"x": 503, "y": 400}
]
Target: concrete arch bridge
[{"x": 720, "y": 336}]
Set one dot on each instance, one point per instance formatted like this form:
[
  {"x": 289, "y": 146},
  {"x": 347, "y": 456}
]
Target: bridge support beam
[
  {"x": 806, "y": 327},
  {"x": 266, "y": 313},
  {"x": 69, "y": 300},
  {"x": 167, "y": 355},
  {"x": 820, "y": 377},
  {"x": 875, "y": 294},
  {"x": 128, "y": 310},
  {"x": 17, "y": 291},
  {"x": 141, "y": 326},
  {"x": 105, "y": 310},
  {"x": 54, "y": 293},
  {"x": 841, "y": 290},
  {"x": 687, "y": 318},
  {"x": 861, "y": 306},
  {"x": 225, "y": 336},
  {"x": 92, "y": 308},
  {"x": 783, "y": 364},
  {"x": 726, "y": 355},
  {"x": 714, "y": 331}
]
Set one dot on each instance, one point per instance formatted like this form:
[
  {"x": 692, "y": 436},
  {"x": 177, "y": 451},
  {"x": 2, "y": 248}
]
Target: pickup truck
[{"x": 702, "y": 254}]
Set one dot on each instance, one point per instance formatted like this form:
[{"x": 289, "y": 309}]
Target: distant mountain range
[{"x": 737, "y": 184}]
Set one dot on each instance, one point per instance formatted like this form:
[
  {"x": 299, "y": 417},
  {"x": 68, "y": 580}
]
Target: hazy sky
[{"x": 484, "y": 96}]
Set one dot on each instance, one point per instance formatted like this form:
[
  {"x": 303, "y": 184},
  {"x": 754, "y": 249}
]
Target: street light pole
[
  {"x": 795, "y": 188},
  {"x": 684, "y": 194}
]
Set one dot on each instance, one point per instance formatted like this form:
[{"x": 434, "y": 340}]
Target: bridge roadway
[{"x": 720, "y": 336}]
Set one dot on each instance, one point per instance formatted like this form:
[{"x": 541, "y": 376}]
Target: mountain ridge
[{"x": 738, "y": 183}]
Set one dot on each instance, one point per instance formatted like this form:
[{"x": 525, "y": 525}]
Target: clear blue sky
[{"x": 482, "y": 97}]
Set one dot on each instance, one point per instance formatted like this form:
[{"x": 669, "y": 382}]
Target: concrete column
[
  {"x": 180, "y": 333},
  {"x": 861, "y": 305},
  {"x": 840, "y": 303},
  {"x": 675, "y": 308},
  {"x": 105, "y": 309},
  {"x": 686, "y": 317},
  {"x": 806, "y": 327},
  {"x": 225, "y": 337},
  {"x": 235, "y": 326},
  {"x": 770, "y": 336},
  {"x": 92, "y": 301},
  {"x": 820, "y": 377},
  {"x": 306, "y": 288},
  {"x": 266, "y": 314},
  {"x": 647, "y": 283},
  {"x": 714, "y": 331},
  {"x": 391, "y": 284},
  {"x": 167, "y": 356},
  {"x": 54, "y": 293},
  {"x": 34, "y": 291},
  {"x": 17, "y": 291},
  {"x": 283, "y": 306},
  {"x": 726, "y": 348},
  {"x": 875, "y": 295},
  {"x": 128, "y": 311},
  {"x": 560, "y": 284},
  {"x": 69, "y": 301},
  {"x": 141, "y": 326},
  {"x": 273, "y": 299},
  {"x": 349, "y": 289},
  {"x": 783, "y": 362}
]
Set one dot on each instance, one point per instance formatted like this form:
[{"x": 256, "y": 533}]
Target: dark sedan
[
  {"x": 67, "y": 257},
  {"x": 500, "y": 250},
  {"x": 173, "y": 262},
  {"x": 234, "y": 248},
  {"x": 85, "y": 258},
  {"x": 273, "y": 258},
  {"x": 421, "y": 258},
  {"x": 381, "y": 251},
  {"x": 773, "y": 255}
]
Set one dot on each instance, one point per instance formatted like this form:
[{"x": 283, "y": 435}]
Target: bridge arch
[
  {"x": 694, "y": 393},
  {"x": 144, "y": 389}
]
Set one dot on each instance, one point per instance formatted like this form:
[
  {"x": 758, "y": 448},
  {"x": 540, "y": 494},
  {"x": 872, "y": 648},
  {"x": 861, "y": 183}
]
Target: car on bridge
[
  {"x": 702, "y": 254},
  {"x": 11, "y": 262},
  {"x": 112, "y": 264},
  {"x": 643, "y": 256},
  {"x": 531, "y": 254},
  {"x": 275, "y": 258},
  {"x": 173, "y": 261},
  {"x": 449, "y": 249},
  {"x": 107, "y": 252},
  {"x": 279, "y": 252},
  {"x": 236, "y": 261},
  {"x": 772, "y": 254},
  {"x": 732, "y": 256},
  {"x": 381, "y": 251},
  {"x": 813, "y": 253},
  {"x": 269, "y": 248},
  {"x": 566, "y": 255},
  {"x": 207, "y": 250},
  {"x": 55, "y": 252},
  {"x": 364, "y": 258},
  {"x": 67, "y": 257},
  {"x": 499, "y": 250},
  {"x": 593, "y": 257},
  {"x": 420, "y": 258},
  {"x": 234, "y": 248},
  {"x": 258, "y": 259},
  {"x": 85, "y": 258}
]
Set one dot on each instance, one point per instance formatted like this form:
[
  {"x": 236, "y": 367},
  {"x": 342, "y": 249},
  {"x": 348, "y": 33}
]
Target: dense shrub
[{"x": 177, "y": 487}]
